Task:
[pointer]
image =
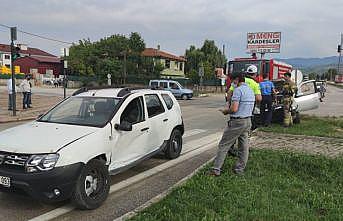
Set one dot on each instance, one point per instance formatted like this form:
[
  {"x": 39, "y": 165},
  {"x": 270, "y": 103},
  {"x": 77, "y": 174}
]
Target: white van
[{"x": 173, "y": 86}]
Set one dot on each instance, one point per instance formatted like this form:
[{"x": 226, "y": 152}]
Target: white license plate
[{"x": 5, "y": 181}]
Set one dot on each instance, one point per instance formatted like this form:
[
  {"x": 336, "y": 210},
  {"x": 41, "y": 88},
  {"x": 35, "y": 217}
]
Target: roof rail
[{"x": 124, "y": 91}]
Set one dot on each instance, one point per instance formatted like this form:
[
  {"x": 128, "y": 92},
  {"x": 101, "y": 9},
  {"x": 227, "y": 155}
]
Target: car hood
[{"x": 40, "y": 137}]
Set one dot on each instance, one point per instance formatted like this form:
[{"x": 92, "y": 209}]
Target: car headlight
[{"x": 42, "y": 162}]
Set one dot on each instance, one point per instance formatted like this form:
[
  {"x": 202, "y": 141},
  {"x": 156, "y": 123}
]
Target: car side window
[
  {"x": 307, "y": 89},
  {"x": 134, "y": 111},
  {"x": 154, "y": 105},
  {"x": 154, "y": 84},
  {"x": 164, "y": 84},
  {"x": 173, "y": 85},
  {"x": 167, "y": 99}
]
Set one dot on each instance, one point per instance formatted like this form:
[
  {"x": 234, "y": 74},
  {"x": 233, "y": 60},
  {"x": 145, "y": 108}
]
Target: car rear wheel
[
  {"x": 174, "y": 145},
  {"x": 92, "y": 186}
]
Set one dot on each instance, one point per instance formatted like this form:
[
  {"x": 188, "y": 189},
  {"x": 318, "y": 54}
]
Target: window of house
[
  {"x": 176, "y": 64},
  {"x": 167, "y": 99},
  {"x": 181, "y": 66},
  {"x": 134, "y": 112},
  {"x": 154, "y": 105},
  {"x": 7, "y": 56},
  {"x": 167, "y": 64}
]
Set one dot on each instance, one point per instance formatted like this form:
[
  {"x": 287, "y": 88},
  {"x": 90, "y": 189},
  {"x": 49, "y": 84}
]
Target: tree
[
  {"x": 113, "y": 55},
  {"x": 331, "y": 74},
  {"x": 208, "y": 55}
]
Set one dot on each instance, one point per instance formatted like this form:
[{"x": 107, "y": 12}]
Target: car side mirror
[{"x": 124, "y": 126}]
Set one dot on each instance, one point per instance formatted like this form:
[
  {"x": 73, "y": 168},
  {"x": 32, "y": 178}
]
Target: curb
[
  {"x": 17, "y": 120},
  {"x": 203, "y": 95}
]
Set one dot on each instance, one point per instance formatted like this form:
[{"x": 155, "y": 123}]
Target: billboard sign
[{"x": 263, "y": 42}]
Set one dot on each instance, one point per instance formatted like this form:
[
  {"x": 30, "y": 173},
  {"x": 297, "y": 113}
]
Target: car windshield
[
  {"x": 241, "y": 66},
  {"x": 84, "y": 111}
]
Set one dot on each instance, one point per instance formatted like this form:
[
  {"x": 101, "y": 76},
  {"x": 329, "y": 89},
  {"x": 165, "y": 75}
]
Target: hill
[{"x": 317, "y": 65}]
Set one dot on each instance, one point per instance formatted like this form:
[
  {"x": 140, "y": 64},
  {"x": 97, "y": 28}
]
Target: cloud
[{"x": 310, "y": 28}]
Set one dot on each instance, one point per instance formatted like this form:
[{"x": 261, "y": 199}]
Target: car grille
[{"x": 13, "y": 161}]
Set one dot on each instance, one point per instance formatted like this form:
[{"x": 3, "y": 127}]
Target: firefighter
[{"x": 288, "y": 90}]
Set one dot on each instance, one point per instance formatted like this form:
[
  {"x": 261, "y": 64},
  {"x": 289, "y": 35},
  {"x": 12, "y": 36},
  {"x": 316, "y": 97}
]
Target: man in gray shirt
[{"x": 242, "y": 104}]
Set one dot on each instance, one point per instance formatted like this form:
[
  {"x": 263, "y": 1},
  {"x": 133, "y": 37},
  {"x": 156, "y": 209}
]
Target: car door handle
[
  {"x": 144, "y": 129},
  {"x": 165, "y": 120}
]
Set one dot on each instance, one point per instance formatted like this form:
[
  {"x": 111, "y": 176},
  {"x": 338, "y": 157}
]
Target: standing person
[
  {"x": 10, "y": 94},
  {"x": 55, "y": 82},
  {"x": 251, "y": 74},
  {"x": 25, "y": 88},
  {"x": 267, "y": 91},
  {"x": 29, "y": 102},
  {"x": 288, "y": 90},
  {"x": 322, "y": 91},
  {"x": 242, "y": 104}
]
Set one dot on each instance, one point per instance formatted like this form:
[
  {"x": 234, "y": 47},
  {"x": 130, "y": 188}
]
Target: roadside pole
[
  {"x": 13, "y": 38},
  {"x": 201, "y": 75},
  {"x": 65, "y": 54},
  {"x": 340, "y": 55},
  {"x": 109, "y": 83}
]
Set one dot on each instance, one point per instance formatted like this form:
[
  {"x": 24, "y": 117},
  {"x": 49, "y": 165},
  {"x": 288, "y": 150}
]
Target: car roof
[{"x": 114, "y": 92}]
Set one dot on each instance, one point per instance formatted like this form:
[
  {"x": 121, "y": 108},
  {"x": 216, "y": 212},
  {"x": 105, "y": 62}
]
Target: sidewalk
[
  {"x": 331, "y": 147},
  {"x": 40, "y": 105}
]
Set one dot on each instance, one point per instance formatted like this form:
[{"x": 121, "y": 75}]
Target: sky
[{"x": 310, "y": 28}]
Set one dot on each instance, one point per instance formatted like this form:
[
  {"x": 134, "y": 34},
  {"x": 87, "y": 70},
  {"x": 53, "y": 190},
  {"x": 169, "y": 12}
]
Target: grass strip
[
  {"x": 312, "y": 126},
  {"x": 277, "y": 185}
]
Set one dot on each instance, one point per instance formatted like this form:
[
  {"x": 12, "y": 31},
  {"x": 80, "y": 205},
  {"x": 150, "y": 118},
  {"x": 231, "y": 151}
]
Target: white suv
[{"x": 70, "y": 151}]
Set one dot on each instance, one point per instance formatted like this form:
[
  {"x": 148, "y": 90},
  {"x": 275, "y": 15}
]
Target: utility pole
[
  {"x": 65, "y": 54},
  {"x": 340, "y": 55},
  {"x": 13, "y": 38},
  {"x": 124, "y": 69}
]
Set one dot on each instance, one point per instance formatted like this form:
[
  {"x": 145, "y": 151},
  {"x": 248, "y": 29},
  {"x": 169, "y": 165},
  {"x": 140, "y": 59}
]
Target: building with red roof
[
  {"x": 32, "y": 61},
  {"x": 174, "y": 66}
]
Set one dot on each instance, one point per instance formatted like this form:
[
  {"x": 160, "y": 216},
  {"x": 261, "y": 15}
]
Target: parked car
[
  {"x": 173, "y": 86},
  {"x": 306, "y": 98},
  {"x": 70, "y": 151}
]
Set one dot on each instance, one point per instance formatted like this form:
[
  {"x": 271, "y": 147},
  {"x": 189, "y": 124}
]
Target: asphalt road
[
  {"x": 204, "y": 124},
  {"x": 332, "y": 104}
]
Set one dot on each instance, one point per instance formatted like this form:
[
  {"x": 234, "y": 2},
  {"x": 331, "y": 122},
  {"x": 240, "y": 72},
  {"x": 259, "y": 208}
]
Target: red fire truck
[{"x": 275, "y": 69}]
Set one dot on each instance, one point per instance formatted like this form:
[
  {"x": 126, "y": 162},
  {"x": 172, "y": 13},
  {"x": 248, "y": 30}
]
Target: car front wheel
[
  {"x": 174, "y": 145},
  {"x": 184, "y": 97},
  {"x": 92, "y": 186}
]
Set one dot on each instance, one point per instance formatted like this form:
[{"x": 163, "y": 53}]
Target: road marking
[
  {"x": 194, "y": 147},
  {"x": 54, "y": 213},
  {"x": 189, "y": 133}
]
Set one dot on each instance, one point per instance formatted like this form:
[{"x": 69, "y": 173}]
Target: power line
[{"x": 39, "y": 36}]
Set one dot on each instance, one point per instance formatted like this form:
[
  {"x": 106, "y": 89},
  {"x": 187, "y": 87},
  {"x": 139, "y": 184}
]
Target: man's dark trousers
[{"x": 266, "y": 109}]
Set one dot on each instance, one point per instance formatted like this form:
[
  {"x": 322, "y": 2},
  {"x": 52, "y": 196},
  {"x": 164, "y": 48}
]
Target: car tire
[
  {"x": 174, "y": 145},
  {"x": 296, "y": 119},
  {"x": 92, "y": 186},
  {"x": 184, "y": 97}
]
